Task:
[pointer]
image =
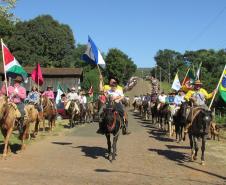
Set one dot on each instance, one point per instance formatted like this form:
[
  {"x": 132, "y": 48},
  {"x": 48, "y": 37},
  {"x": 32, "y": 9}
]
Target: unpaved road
[{"x": 146, "y": 156}]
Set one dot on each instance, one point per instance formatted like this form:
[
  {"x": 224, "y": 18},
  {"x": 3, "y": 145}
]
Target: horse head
[
  {"x": 202, "y": 122},
  {"x": 3, "y": 105}
]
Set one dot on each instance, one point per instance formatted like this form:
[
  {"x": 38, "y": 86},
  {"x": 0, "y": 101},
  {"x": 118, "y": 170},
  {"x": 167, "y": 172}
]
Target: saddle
[{"x": 17, "y": 112}]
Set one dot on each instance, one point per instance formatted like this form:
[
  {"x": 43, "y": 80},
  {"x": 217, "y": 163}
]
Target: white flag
[{"x": 176, "y": 83}]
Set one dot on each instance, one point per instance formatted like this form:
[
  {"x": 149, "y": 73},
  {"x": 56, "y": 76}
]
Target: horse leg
[
  {"x": 6, "y": 141},
  {"x": 109, "y": 145},
  {"x": 44, "y": 126},
  {"x": 25, "y": 133},
  {"x": 203, "y": 149},
  {"x": 192, "y": 146},
  {"x": 196, "y": 147},
  {"x": 115, "y": 139}
]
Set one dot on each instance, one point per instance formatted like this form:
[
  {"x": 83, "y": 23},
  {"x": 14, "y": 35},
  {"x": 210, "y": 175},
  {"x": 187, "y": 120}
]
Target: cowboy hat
[
  {"x": 73, "y": 89},
  {"x": 197, "y": 82},
  {"x": 18, "y": 79}
]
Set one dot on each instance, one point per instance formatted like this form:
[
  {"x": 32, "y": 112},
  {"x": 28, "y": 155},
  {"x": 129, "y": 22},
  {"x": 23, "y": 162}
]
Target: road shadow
[
  {"x": 14, "y": 148},
  {"x": 204, "y": 171},
  {"x": 62, "y": 143},
  {"x": 93, "y": 151},
  {"x": 177, "y": 147},
  {"x": 160, "y": 135},
  {"x": 179, "y": 157}
]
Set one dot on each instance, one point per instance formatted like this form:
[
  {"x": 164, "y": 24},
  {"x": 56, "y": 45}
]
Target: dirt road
[{"x": 146, "y": 156}]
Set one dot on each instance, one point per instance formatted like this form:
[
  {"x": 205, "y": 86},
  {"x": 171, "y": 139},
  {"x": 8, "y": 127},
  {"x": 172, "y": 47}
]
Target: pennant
[{"x": 36, "y": 75}]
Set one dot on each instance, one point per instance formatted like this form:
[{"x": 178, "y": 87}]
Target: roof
[{"x": 53, "y": 71}]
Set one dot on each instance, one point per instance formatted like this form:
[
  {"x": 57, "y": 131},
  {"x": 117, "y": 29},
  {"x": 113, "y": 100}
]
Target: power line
[{"x": 201, "y": 33}]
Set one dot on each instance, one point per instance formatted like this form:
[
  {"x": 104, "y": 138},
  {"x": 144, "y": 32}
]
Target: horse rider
[
  {"x": 179, "y": 98},
  {"x": 33, "y": 97},
  {"x": 161, "y": 99},
  {"x": 197, "y": 97},
  {"x": 49, "y": 93},
  {"x": 72, "y": 96},
  {"x": 17, "y": 94},
  {"x": 116, "y": 91},
  {"x": 82, "y": 98}
]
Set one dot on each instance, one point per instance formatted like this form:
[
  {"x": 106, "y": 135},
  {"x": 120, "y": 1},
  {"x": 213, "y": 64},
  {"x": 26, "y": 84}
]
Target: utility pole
[
  {"x": 169, "y": 71},
  {"x": 160, "y": 77}
]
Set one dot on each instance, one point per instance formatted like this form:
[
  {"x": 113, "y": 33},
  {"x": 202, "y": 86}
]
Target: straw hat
[
  {"x": 197, "y": 82},
  {"x": 73, "y": 88}
]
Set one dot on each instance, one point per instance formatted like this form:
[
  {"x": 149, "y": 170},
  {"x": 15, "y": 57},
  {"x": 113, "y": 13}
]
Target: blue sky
[{"x": 137, "y": 27}]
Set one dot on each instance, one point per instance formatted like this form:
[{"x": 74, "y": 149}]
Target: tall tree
[
  {"x": 120, "y": 65},
  {"x": 5, "y": 8},
  {"x": 43, "y": 40}
]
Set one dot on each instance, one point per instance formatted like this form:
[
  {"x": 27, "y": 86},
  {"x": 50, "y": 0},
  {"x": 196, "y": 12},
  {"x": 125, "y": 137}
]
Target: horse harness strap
[{"x": 112, "y": 125}]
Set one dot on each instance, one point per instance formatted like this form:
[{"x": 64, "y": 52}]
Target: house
[{"x": 66, "y": 77}]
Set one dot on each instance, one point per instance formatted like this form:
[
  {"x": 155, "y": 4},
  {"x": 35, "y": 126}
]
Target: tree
[
  {"x": 120, "y": 65},
  {"x": 5, "y": 7},
  {"x": 42, "y": 40}
]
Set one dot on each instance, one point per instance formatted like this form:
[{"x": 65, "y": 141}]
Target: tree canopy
[
  {"x": 119, "y": 65},
  {"x": 42, "y": 40}
]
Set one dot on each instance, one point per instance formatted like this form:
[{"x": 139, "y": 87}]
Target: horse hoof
[
  {"x": 195, "y": 158},
  {"x": 202, "y": 163}
]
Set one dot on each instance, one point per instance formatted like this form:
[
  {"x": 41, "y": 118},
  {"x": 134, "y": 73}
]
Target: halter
[{"x": 111, "y": 126}]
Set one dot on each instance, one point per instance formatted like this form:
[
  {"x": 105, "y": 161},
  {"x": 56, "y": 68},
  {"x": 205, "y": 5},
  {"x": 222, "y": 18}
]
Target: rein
[{"x": 112, "y": 125}]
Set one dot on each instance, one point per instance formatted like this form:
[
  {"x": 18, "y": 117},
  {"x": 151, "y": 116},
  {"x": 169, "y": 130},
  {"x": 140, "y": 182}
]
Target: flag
[
  {"x": 91, "y": 91},
  {"x": 188, "y": 81},
  {"x": 222, "y": 87},
  {"x": 36, "y": 75},
  {"x": 198, "y": 72},
  {"x": 59, "y": 93},
  {"x": 93, "y": 54},
  {"x": 11, "y": 65},
  {"x": 176, "y": 83}
]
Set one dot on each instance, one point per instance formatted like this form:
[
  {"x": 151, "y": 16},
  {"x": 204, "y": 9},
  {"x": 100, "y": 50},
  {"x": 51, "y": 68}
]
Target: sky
[{"x": 137, "y": 27}]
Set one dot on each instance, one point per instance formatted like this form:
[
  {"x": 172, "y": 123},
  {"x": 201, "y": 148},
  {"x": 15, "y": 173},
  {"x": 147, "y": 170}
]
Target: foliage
[
  {"x": 119, "y": 65},
  {"x": 5, "y": 7},
  {"x": 212, "y": 66},
  {"x": 42, "y": 40}
]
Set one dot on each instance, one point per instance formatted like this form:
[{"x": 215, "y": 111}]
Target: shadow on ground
[
  {"x": 14, "y": 148},
  {"x": 179, "y": 157},
  {"x": 93, "y": 152}
]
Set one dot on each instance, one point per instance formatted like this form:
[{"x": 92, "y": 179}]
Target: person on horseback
[
  {"x": 49, "y": 93},
  {"x": 17, "y": 95},
  {"x": 161, "y": 99},
  {"x": 72, "y": 96},
  {"x": 33, "y": 97},
  {"x": 116, "y": 92},
  {"x": 198, "y": 95},
  {"x": 179, "y": 98}
]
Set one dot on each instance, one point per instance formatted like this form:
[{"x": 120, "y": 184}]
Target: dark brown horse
[
  {"x": 199, "y": 129},
  {"x": 9, "y": 115},
  {"x": 49, "y": 112},
  {"x": 111, "y": 125}
]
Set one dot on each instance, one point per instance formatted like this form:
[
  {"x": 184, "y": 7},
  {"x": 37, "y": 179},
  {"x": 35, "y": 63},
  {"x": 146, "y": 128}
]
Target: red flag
[
  {"x": 91, "y": 91},
  {"x": 36, "y": 75}
]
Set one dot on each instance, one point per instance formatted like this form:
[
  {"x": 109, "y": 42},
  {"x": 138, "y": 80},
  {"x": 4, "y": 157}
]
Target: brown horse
[
  {"x": 9, "y": 115},
  {"x": 49, "y": 112}
]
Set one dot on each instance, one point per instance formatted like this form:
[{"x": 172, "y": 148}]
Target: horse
[
  {"x": 164, "y": 115},
  {"x": 90, "y": 112},
  {"x": 73, "y": 113},
  {"x": 180, "y": 119},
  {"x": 111, "y": 124},
  {"x": 83, "y": 112},
  {"x": 146, "y": 106},
  {"x": 199, "y": 128},
  {"x": 49, "y": 112},
  {"x": 9, "y": 120},
  {"x": 126, "y": 101}
]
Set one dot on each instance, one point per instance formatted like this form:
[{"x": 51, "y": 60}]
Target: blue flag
[{"x": 92, "y": 54}]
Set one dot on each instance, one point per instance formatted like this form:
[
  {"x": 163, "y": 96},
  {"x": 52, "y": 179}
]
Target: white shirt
[
  {"x": 162, "y": 98},
  {"x": 115, "y": 93},
  {"x": 82, "y": 99},
  {"x": 72, "y": 96}
]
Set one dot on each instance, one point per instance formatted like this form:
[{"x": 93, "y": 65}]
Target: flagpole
[
  {"x": 185, "y": 76},
  {"x": 217, "y": 87},
  {"x": 3, "y": 59}
]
